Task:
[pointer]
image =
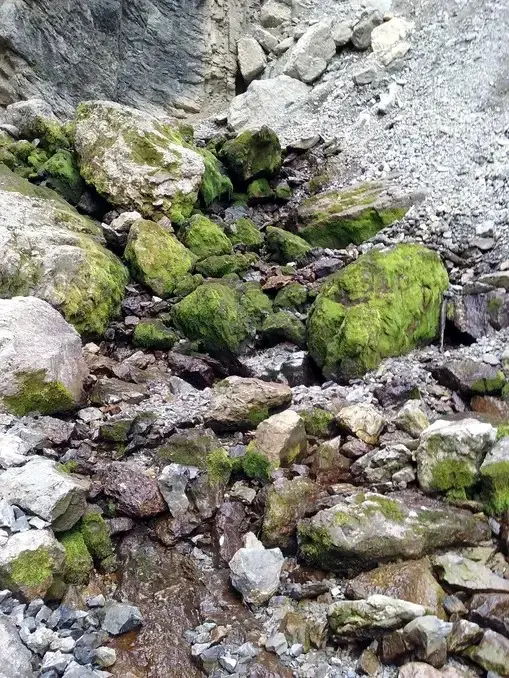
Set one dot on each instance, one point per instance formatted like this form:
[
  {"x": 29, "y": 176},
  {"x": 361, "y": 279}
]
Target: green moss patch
[
  {"x": 32, "y": 570},
  {"x": 283, "y": 326},
  {"x": 78, "y": 561},
  {"x": 153, "y": 334},
  {"x": 205, "y": 238},
  {"x": 61, "y": 173},
  {"x": 36, "y": 395},
  {"x": 284, "y": 247},
  {"x": 226, "y": 264},
  {"x": 96, "y": 536},
  {"x": 318, "y": 423},
  {"x": 244, "y": 232},
  {"x": 215, "y": 184},
  {"x": 252, "y": 155},
  {"x": 292, "y": 296},
  {"x": 219, "y": 467}
]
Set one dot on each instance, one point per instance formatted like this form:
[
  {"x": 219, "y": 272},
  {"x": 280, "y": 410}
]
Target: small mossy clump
[
  {"x": 156, "y": 258},
  {"x": 318, "y": 423},
  {"x": 96, "y": 537},
  {"x": 495, "y": 487},
  {"x": 493, "y": 384},
  {"x": 213, "y": 315},
  {"x": 188, "y": 448},
  {"x": 32, "y": 570},
  {"x": 453, "y": 476},
  {"x": 244, "y": 232},
  {"x": 115, "y": 430},
  {"x": 389, "y": 508},
  {"x": 315, "y": 544},
  {"x": 252, "y": 155},
  {"x": 219, "y": 467},
  {"x": 338, "y": 218},
  {"x": 283, "y": 326},
  {"x": 215, "y": 184},
  {"x": 292, "y": 296},
  {"x": 70, "y": 466},
  {"x": 259, "y": 190},
  {"x": 284, "y": 246},
  {"x": 382, "y": 305},
  {"x": 283, "y": 192},
  {"x": 61, "y": 173},
  {"x": 503, "y": 431},
  {"x": 153, "y": 334},
  {"x": 37, "y": 395},
  {"x": 226, "y": 264},
  {"x": 255, "y": 465},
  {"x": 205, "y": 238},
  {"x": 255, "y": 303},
  {"x": 52, "y": 135},
  {"x": 78, "y": 561}
]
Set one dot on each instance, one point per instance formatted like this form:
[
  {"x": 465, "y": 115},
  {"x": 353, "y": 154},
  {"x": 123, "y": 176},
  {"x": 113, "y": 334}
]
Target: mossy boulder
[
  {"x": 61, "y": 173},
  {"x": 252, "y": 155},
  {"x": 283, "y": 246},
  {"x": 384, "y": 304},
  {"x": 214, "y": 316},
  {"x": 495, "y": 477},
  {"x": 337, "y": 218},
  {"x": 189, "y": 447},
  {"x": 70, "y": 267},
  {"x": 283, "y": 326},
  {"x": 138, "y": 162},
  {"x": 259, "y": 191},
  {"x": 244, "y": 232},
  {"x": 156, "y": 258},
  {"x": 215, "y": 185},
  {"x": 153, "y": 334},
  {"x": 78, "y": 561},
  {"x": 226, "y": 264},
  {"x": 319, "y": 423},
  {"x": 205, "y": 238},
  {"x": 255, "y": 303},
  {"x": 292, "y": 296},
  {"x": 96, "y": 536}
]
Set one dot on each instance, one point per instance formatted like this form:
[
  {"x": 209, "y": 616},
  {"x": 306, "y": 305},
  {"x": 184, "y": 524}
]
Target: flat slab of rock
[
  {"x": 463, "y": 573},
  {"x": 135, "y": 493},
  {"x": 367, "y": 529},
  {"x": 255, "y": 571},
  {"x": 15, "y": 658},
  {"x": 40, "y": 488}
]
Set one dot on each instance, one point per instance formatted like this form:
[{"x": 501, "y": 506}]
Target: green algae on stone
[
  {"x": 116, "y": 430},
  {"x": 213, "y": 315},
  {"x": 34, "y": 394},
  {"x": 153, "y": 334},
  {"x": 215, "y": 184},
  {"x": 293, "y": 296},
  {"x": 287, "y": 502},
  {"x": 205, "y": 238},
  {"x": 318, "y": 422},
  {"x": 252, "y": 155},
  {"x": 32, "y": 570},
  {"x": 61, "y": 173},
  {"x": 96, "y": 536},
  {"x": 78, "y": 561},
  {"x": 338, "y": 218},
  {"x": 453, "y": 476},
  {"x": 259, "y": 190},
  {"x": 157, "y": 259},
  {"x": 382, "y": 305},
  {"x": 219, "y": 467},
  {"x": 226, "y": 264},
  {"x": 284, "y": 246},
  {"x": 254, "y": 464},
  {"x": 283, "y": 326},
  {"x": 244, "y": 232},
  {"x": 255, "y": 303}
]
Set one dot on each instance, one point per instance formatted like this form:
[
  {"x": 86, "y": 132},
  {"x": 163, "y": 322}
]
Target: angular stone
[
  {"x": 282, "y": 438},
  {"x": 173, "y": 481},
  {"x": 411, "y": 418},
  {"x": 29, "y": 561},
  {"x": 379, "y": 466},
  {"x": 479, "y": 315},
  {"x": 427, "y": 638},
  {"x": 450, "y": 454},
  {"x": 491, "y": 609},
  {"x": 463, "y": 573},
  {"x": 492, "y": 653},
  {"x": 189, "y": 447},
  {"x": 287, "y": 502},
  {"x": 15, "y": 658},
  {"x": 41, "y": 488},
  {"x": 366, "y": 529},
  {"x": 412, "y": 581},
  {"x": 309, "y": 57},
  {"x": 274, "y": 13},
  {"x": 359, "y": 619},
  {"x": 470, "y": 377},
  {"x": 135, "y": 493},
  {"x": 252, "y": 59},
  {"x": 240, "y": 403},
  {"x": 255, "y": 571},
  {"x": 341, "y": 32},
  {"x": 463, "y": 635},
  {"x": 388, "y": 39},
  {"x": 361, "y": 35},
  {"x": 43, "y": 366},
  {"x": 121, "y": 618},
  {"x": 362, "y": 421}
]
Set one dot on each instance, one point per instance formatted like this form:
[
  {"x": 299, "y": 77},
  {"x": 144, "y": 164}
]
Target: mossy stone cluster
[
  {"x": 226, "y": 264},
  {"x": 384, "y": 304},
  {"x": 283, "y": 246},
  {"x": 252, "y": 155},
  {"x": 338, "y": 218},
  {"x": 205, "y": 238},
  {"x": 153, "y": 334},
  {"x": 156, "y": 258},
  {"x": 87, "y": 543}
]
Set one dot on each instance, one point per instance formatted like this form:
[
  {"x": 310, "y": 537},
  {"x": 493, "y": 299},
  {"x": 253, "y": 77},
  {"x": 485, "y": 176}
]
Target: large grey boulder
[
  {"x": 39, "y": 487},
  {"x": 152, "y": 54},
  {"x": 450, "y": 454},
  {"x": 309, "y": 57},
  {"x": 366, "y": 529},
  {"x": 43, "y": 368},
  {"x": 137, "y": 161},
  {"x": 255, "y": 571},
  {"x": 27, "y": 116},
  {"x": 15, "y": 658},
  {"x": 463, "y": 573},
  {"x": 252, "y": 59},
  {"x": 51, "y": 251},
  {"x": 29, "y": 563}
]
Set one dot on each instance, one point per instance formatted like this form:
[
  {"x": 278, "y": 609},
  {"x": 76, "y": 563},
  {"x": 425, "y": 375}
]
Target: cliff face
[{"x": 148, "y": 53}]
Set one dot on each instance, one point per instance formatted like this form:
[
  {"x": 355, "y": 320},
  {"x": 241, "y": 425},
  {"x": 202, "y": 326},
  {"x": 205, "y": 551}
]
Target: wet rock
[
  {"x": 15, "y": 658},
  {"x": 43, "y": 367},
  {"x": 287, "y": 502},
  {"x": 362, "y": 421},
  {"x": 29, "y": 561},
  {"x": 492, "y": 653},
  {"x": 41, "y": 488},
  {"x": 239, "y": 403},
  {"x": 478, "y": 315},
  {"x": 450, "y": 454},
  {"x": 379, "y": 466},
  {"x": 309, "y": 57},
  {"x": 491, "y": 609},
  {"x": 359, "y": 619},
  {"x": 282, "y": 438},
  {"x": 366, "y": 529},
  {"x": 463, "y": 635},
  {"x": 412, "y": 581},
  {"x": 495, "y": 476},
  {"x": 255, "y": 571},
  {"x": 411, "y": 418},
  {"x": 463, "y": 573},
  {"x": 135, "y": 493},
  {"x": 470, "y": 377},
  {"x": 121, "y": 618}
]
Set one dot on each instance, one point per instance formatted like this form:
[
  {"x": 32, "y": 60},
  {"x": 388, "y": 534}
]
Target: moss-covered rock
[
  {"x": 292, "y": 296},
  {"x": 35, "y": 394},
  {"x": 215, "y": 184},
  {"x": 219, "y": 467},
  {"x": 78, "y": 561},
  {"x": 495, "y": 477},
  {"x": 213, "y": 315},
  {"x": 384, "y": 304},
  {"x": 283, "y": 326},
  {"x": 319, "y": 423},
  {"x": 226, "y": 264},
  {"x": 244, "y": 232},
  {"x": 96, "y": 537},
  {"x": 190, "y": 447},
  {"x": 255, "y": 465},
  {"x": 153, "y": 334},
  {"x": 156, "y": 258},
  {"x": 338, "y": 218},
  {"x": 283, "y": 246},
  {"x": 252, "y": 155},
  {"x": 205, "y": 238},
  {"x": 61, "y": 173},
  {"x": 116, "y": 430},
  {"x": 258, "y": 191},
  {"x": 255, "y": 303}
]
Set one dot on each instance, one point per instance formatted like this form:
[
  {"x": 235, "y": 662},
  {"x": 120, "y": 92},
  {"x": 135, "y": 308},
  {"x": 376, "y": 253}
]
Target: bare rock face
[{"x": 155, "y": 53}]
